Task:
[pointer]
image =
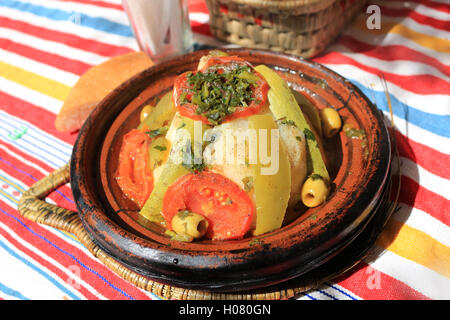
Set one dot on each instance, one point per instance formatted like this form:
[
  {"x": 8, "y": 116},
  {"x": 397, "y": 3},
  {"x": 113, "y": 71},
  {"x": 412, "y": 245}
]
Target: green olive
[
  {"x": 190, "y": 223},
  {"x": 145, "y": 112},
  {"x": 331, "y": 121},
  {"x": 314, "y": 192}
]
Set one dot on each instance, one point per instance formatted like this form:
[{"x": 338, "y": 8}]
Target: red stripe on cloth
[
  {"x": 430, "y": 159},
  {"x": 416, "y": 16},
  {"x": 75, "y": 41},
  {"x": 98, "y": 268},
  {"x": 372, "y": 284},
  {"x": 202, "y": 28},
  {"x": 35, "y": 115},
  {"x": 24, "y": 178},
  {"x": 433, "y": 5},
  {"x": 197, "y": 6},
  {"x": 29, "y": 175},
  {"x": 64, "y": 277},
  {"x": 392, "y": 53},
  {"x": 97, "y": 3},
  {"x": 193, "y": 5},
  {"x": 105, "y": 281},
  {"x": 54, "y": 253},
  {"x": 421, "y": 84},
  {"x": 27, "y": 157},
  {"x": 415, "y": 195},
  {"x": 62, "y": 63},
  {"x": 54, "y": 196}
]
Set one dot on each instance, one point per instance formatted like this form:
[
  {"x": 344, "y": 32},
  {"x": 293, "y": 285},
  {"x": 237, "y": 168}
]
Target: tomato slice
[
  {"x": 222, "y": 60},
  {"x": 228, "y": 209},
  {"x": 133, "y": 174},
  {"x": 183, "y": 90}
]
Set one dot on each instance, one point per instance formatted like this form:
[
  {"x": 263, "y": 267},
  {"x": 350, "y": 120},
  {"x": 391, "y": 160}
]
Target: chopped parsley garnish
[
  {"x": 158, "y": 132},
  {"x": 228, "y": 201},
  {"x": 184, "y": 214},
  {"x": 220, "y": 90},
  {"x": 160, "y": 148},
  {"x": 287, "y": 122},
  {"x": 195, "y": 167},
  {"x": 248, "y": 183},
  {"x": 309, "y": 135}
]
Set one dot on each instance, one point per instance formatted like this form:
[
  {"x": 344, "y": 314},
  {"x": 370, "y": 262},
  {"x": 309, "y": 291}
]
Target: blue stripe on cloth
[
  {"x": 327, "y": 294},
  {"x": 12, "y": 184},
  {"x": 35, "y": 140},
  {"x": 15, "y": 200},
  {"x": 98, "y": 23},
  {"x": 32, "y": 177},
  {"x": 11, "y": 292},
  {"x": 48, "y": 139},
  {"x": 39, "y": 270},
  {"x": 341, "y": 291},
  {"x": 35, "y": 154},
  {"x": 310, "y": 296},
  {"x": 46, "y": 148},
  {"x": 8, "y": 199},
  {"x": 437, "y": 124},
  {"x": 69, "y": 255},
  {"x": 35, "y": 179}
]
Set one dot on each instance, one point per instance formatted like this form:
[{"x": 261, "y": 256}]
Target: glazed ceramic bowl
[{"x": 359, "y": 168}]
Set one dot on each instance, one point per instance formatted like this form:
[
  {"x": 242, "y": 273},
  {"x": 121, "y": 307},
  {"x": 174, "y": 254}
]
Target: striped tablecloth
[{"x": 46, "y": 45}]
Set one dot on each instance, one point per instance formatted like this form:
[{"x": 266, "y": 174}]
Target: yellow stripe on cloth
[
  {"x": 11, "y": 198},
  {"x": 415, "y": 245},
  {"x": 14, "y": 185},
  {"x": 425, "y": 40},
  {"x": 34, "y": 81}
]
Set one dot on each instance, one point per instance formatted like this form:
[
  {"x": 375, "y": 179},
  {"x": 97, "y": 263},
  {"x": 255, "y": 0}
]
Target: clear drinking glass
[{"x": 161, "y": 27}]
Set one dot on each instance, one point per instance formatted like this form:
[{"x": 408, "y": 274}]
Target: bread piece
[{"x": 96, "y": 84}]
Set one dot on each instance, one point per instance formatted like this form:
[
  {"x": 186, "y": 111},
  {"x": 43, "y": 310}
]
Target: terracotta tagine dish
[{"x": 255, "y": 230}]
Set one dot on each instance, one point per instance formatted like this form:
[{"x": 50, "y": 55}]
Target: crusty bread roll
[{"x": 94, "y": 85}]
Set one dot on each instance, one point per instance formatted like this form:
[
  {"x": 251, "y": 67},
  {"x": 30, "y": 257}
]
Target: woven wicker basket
[{"x": 301, "y": 27}]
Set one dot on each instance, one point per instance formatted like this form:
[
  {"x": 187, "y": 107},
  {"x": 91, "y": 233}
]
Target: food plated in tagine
[{"x": 227, "y": 153}]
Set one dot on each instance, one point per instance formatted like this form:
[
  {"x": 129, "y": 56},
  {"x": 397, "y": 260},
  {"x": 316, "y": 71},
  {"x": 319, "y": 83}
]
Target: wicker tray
[
  {"x": 33, "y": 206},
  {"x": 301, "y": 27}
]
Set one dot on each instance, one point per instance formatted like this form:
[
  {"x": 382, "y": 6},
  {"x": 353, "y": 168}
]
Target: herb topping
[{"x": 220, "y": 90}]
